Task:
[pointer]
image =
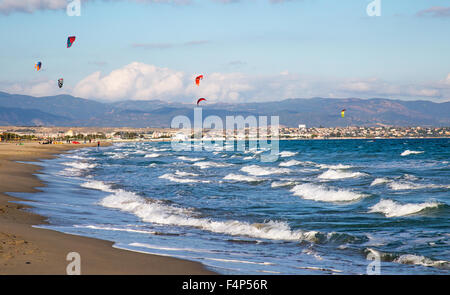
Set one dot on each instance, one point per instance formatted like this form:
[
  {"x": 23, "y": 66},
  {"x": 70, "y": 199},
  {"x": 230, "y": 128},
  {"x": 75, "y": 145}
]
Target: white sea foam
[
  {"x": 152, "y": 155},
  {"x": 98, "y": 185},
  {"x": 248, "y": 158},
  {"x": 110, "y": 228},
  {"x": 286, "y": 154},
  {"x": 378, "y": 181},
  {"x": 261, "y": 171},
  {"x": 407, "y": 185},
  {"x": 277, "y": 184},
  {"x": 411, "y": 259},
  {"x": 422, "y": 260},
  {"x": 183, "y": 173},
  {"x": 321, "y": 193},
  {"x": 336, "y": 174},
  {"x": 408, "y": 152},
  {"x": 76, "y": 157},
  {"x": 239, "y": 177},
  {"x": 190, "y": 159},
  {"x": 149, "y": 246},
  {"x": 290, "y": 163},
  {"x": 209, "y": 164},
  {"x": 393, "y": 209},
  {"x": 335, "y": 167},
  {"x": 159, "y": 213},
  {"x": 173, "y": 178},
  {"x": 80, "y": 165}
]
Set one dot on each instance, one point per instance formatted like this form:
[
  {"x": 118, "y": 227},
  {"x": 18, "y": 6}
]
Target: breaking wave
[
  {"x": 190, "y": 159},
  {"x": 154, "y": 211},
  {"x": 393, "y": 209},
  {"x": 410, "y": 259},
  {"x": 321, "y": 193},
  {"x": 262, "y": 171},
  {"x": 239, "y": 177},
  {"x": 408, "y": 152},
  {"x": 336, "y": 174},
  {"x": 209, "y": 164}
]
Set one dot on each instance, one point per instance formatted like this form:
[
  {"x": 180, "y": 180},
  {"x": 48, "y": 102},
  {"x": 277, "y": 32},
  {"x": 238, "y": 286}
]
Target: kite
[
  {"x": 70, "y": 41},
  {"x": 60, "y": 82},
  {"x": 197, "y": 80},
  {"x": 343, "y": 113},
  {"x": 38, "y": 65},
  {"x": 200, "y": 99}
]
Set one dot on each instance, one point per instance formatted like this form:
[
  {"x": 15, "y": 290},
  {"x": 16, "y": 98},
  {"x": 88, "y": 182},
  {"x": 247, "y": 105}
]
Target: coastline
[{"x": 25, "y": 249}]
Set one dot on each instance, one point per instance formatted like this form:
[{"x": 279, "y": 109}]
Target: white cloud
[
  {"x": 41, "y": 87},
  {"x": 8, "y": 6},
  {"x": 134, "y": 81},
  {"x": 435, "y": 11},
  {"x": 139, "y": 81}
]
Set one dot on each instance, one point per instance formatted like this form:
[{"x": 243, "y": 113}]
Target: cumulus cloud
[
  {"x": 140, "y": 81},
  {"x": 379, "y": 88},
  {"x": 435, "y": 11},
  {"x": 134, "y": 81}
]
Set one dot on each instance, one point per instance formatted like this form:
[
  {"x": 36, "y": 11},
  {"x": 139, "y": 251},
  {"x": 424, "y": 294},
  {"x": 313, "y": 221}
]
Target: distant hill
[{"x": 66, "y": 110}]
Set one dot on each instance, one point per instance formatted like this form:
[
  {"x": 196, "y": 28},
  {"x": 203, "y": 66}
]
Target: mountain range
[{"x": 66, "y": 110}]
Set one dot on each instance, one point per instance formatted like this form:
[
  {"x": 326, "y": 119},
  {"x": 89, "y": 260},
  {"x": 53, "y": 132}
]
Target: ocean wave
[
  {"x": 209, "y": 164},
  {"x": 98, "y": 185},
  {"x": 336, "y": 174},
  {"x": 335, "y": 167},
  {"x": 190, "y": 159},
  {"x": 277, "y": 184},
  {"x": 291, "y": 163},
  {"x": 407, "y": 185},
  {"x": 80, "y": 165},
  {"x": 262, "y": 171},
  {"x": 183, "y": 173},
  {"x": 173, "y": 178},
  {"x": 393, "y": 209},
  {"x": 408, "y": 152},
  {"x": 155, "y": 212},
  {"x": 245, "y": 178},
  {"x": 149, "y": 246},
  {"x": 378, "y": 181},
  {"x": 110, "y": 228},
  {"x": 152, "y": 155},
  {"x": 286, "y": 154},
  {"x": 409, "y": 259},
  {"x": 321, "y": 193}
]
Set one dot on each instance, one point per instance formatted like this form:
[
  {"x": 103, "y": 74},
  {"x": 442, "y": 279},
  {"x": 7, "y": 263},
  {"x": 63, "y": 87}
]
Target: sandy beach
[{"x": 28, "y": 250}]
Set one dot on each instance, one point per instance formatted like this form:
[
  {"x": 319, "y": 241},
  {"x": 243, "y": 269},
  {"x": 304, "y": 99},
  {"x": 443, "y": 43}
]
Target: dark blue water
[{"x": 321, "y": 208}]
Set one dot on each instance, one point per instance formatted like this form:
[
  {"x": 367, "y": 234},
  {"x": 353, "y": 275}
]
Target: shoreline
[{"x": 25, "y": 249}]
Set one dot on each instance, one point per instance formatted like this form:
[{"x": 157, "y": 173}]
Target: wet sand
[{"x": 28, "y": 250}]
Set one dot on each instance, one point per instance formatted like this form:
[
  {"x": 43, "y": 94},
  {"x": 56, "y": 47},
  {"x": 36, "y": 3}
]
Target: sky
[{"x": 247, "y": 50}]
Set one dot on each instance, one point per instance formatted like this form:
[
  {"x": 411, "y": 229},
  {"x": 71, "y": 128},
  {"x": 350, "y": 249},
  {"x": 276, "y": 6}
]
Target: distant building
[
  {"x": 301, "y": 126},
  {"x": 69, "y": 133}
]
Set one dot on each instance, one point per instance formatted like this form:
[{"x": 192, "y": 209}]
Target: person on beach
[{"x": 98, "y": 144}]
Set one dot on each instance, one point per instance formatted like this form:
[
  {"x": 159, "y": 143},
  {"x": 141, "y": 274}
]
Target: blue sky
[{"x": 249, "y": 50}]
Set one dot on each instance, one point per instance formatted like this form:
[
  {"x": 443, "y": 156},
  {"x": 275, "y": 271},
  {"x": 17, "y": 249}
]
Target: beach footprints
[{"x": 74, "y": 267}]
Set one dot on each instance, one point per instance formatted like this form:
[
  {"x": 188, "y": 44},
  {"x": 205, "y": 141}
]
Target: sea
[{"x": 360, "y": 206}]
